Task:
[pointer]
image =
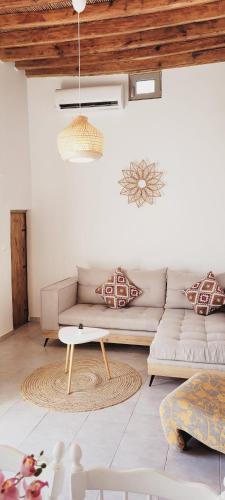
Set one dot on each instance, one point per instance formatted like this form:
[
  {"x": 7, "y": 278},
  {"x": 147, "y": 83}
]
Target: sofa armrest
[{"x": 55, "y": 299}]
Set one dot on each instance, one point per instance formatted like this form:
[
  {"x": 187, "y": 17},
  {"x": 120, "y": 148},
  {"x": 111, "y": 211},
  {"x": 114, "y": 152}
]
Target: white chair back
[
  {"x": 149, "y": 482},
  {"x": 11, "y": 458}
]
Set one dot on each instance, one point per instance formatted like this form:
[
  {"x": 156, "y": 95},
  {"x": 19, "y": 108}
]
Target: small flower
[
  {"x": 8, "y": 489},
  {"x": 28, "y": 466},
  {"x": 33, "y": 490},
  {"x": 2, "y": 478}
]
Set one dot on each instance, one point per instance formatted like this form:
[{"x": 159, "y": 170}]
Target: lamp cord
[{"x": 79, "y": 72}]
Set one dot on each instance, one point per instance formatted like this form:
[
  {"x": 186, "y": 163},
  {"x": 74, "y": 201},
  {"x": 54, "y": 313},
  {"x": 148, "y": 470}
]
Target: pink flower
[
  {"x": 8, "y": 489},
  {"x": 28, "y": 466},
  {"x": 33, "y": 490},
  {"x": 2, "y": 479}
]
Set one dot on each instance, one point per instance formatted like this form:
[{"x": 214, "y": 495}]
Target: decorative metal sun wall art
[{"x": 142, "y": 183}]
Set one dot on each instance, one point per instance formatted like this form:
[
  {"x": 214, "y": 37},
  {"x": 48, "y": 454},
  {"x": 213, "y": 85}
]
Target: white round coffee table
[{"x": 73, "y": 335}]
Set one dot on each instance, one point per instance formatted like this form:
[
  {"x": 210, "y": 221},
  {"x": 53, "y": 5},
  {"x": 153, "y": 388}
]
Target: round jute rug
[{"x": 90, "y": 387}]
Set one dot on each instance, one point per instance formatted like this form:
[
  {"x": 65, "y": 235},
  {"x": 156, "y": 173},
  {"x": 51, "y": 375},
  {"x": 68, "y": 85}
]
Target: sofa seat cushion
[
  {"x": 185, "y": 336},
  {"x": 101, "y": 316}
]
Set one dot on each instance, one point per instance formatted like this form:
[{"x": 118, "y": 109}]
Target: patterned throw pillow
[
  {"x": 118, "y": 291},
  {"x": 206, "y": 295}
]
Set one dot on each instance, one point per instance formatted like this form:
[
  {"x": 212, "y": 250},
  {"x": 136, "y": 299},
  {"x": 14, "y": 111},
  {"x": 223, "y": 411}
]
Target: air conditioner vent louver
[
  {"x": 92, "y": 98},
  {"x": 86, "y": 105}
]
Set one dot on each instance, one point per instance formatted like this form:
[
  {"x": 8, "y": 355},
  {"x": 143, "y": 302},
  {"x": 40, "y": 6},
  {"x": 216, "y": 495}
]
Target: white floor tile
[{"x": 126, "y": 435}]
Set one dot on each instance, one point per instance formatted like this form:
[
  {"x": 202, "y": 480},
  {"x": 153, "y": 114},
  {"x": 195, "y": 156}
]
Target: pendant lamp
[{"x": 80, "y": 142}]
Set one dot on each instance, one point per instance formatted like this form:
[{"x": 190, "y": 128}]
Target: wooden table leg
[
  {"x": 67, "y": 358},
  {"x": 105, "y": 358},
  {"x": 70, "y": 367}
]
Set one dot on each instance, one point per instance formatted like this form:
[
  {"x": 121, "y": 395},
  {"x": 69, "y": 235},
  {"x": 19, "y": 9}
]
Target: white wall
[
  {"x": 78, "y": 215},
  {"x": 14, "y": 174}
]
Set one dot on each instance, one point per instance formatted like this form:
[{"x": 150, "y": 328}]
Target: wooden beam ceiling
[
  {"x": 173, "y": 61},
  {"x": 159, "y": 37},
  {"x": 125, "y": 55},
  {"x": 136, "y": 36},
  {"x": 107, "y": 11},
  {"x": 131, "y": 24}
]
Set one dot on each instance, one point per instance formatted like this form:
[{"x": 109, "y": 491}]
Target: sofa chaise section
[{"x": 186, "y": 342}]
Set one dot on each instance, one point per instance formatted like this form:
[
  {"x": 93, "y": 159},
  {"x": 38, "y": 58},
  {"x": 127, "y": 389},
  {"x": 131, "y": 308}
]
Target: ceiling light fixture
[
  {"x": 80, "y": 142},
  {"x": 79, "y": 5}
]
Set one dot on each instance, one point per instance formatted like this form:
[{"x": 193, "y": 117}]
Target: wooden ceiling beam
[
  {"x": 127, "y": 55},
  {"x": 45, "y": 50},
  {"x": 165, "y": 62},
  {"x": 106, "y": 10},
  {"x": 133, "y": 24},
  {"x": 103, "y": 11},
  {"x": 148, "y": 38}
]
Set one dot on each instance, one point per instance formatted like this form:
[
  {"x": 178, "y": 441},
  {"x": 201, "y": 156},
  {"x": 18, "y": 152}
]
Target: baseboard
[
  {"x": 34, "y": 319},
  {"x": 5, "y": 336}
]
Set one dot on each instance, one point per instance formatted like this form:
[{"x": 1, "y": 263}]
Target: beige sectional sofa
[{"x": 182, "y": 342}]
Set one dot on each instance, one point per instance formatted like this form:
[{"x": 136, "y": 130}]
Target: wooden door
[{"x": 19, "y": 268}]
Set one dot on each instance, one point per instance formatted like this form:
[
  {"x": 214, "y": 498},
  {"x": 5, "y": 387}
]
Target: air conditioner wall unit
[{"x": 92, "y": 98}]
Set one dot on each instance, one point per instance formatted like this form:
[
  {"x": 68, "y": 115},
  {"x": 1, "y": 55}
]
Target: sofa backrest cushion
[
  {"x": 177, "y": 281},
  {"x": 153, "y": 284},
  {"x": 221, "y": 279},
  {"x": 88, "y": 281}
]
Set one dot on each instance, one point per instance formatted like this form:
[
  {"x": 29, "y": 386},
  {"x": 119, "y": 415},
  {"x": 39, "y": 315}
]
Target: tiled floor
[{"x": 126, "y": 435}]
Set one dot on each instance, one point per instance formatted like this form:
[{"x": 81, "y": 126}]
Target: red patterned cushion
[
  {"x": 118, "y": 291},
  {"x": 206, "y": 295}
]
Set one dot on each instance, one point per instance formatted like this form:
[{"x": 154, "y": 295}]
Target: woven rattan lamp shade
[{"x": 80, "y": 142}]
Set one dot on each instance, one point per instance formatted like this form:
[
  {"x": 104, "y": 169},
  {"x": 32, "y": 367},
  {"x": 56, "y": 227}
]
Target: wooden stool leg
[
  {"x": 67, "y": 358},
  {"x": 70, "y": 367},
  {"x": 105, "y": 358}
]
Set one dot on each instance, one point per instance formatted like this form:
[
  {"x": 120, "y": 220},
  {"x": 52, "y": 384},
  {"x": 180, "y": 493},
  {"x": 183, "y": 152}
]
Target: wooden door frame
[{"x": 18, "y": 212}]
